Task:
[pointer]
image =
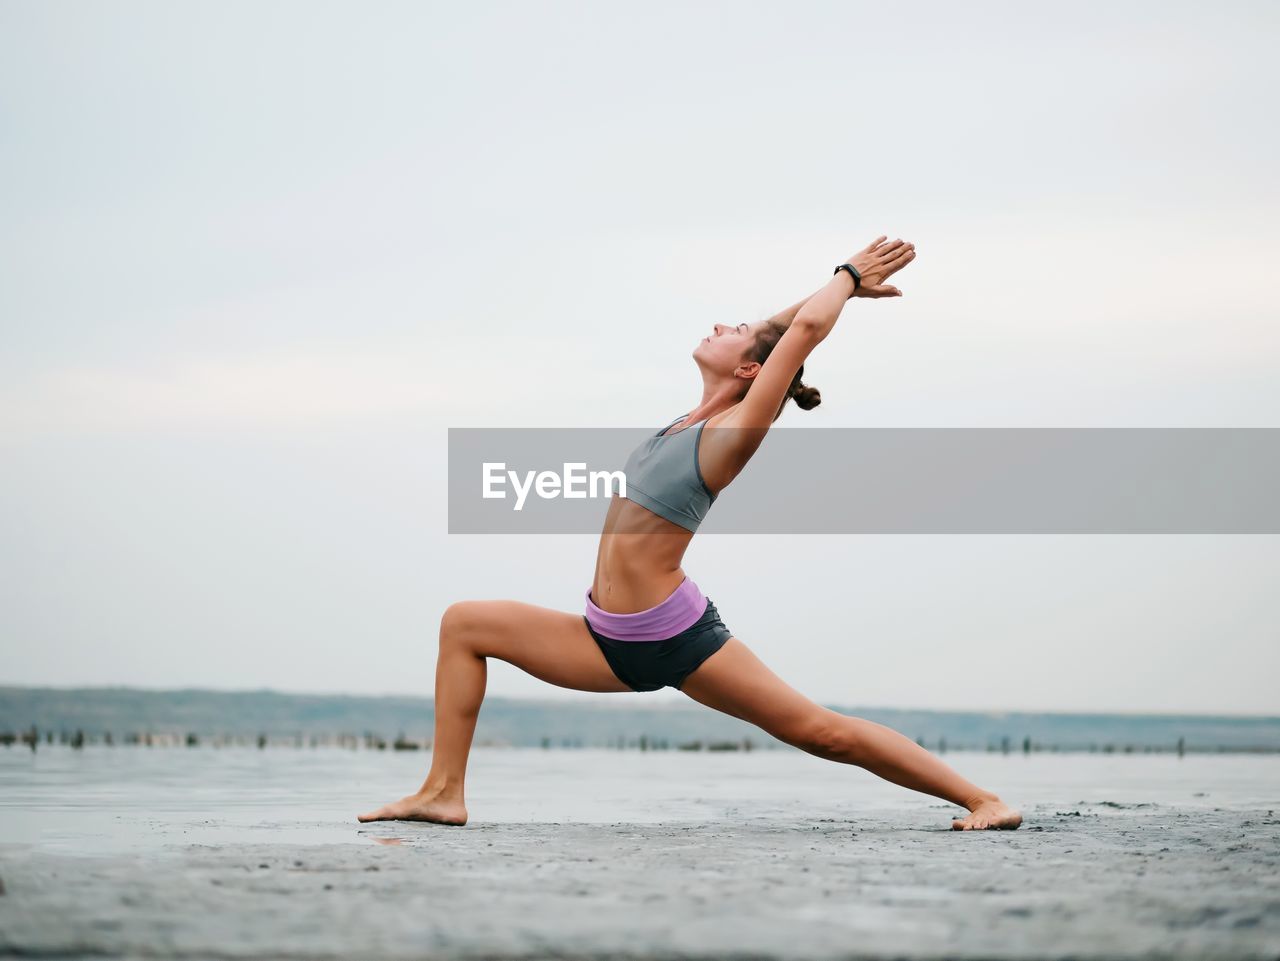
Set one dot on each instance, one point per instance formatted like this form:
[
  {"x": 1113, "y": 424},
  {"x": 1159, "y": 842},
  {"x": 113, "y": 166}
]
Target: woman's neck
[{"x": 715, "y": 398}]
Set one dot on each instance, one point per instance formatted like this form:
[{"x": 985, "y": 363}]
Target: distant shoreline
[
  {"x": 198, "y": 717},
  {"x": 168, "y": 740}
]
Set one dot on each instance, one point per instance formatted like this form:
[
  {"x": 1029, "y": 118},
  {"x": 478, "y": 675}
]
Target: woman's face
[{"x": 725, "y": 347}]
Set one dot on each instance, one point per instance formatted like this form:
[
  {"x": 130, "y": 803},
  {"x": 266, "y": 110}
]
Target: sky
[{"x": 259, "y": 257}]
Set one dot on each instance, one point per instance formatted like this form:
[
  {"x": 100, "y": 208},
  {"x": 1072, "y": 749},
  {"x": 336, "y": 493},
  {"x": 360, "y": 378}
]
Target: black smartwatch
[{"x": 853, "y": 272}]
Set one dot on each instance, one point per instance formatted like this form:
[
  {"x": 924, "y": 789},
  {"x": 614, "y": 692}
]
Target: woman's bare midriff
[{"x": 638, "y": 561}]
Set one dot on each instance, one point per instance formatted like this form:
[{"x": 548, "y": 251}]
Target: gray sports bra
[{"x": 663, "y": 476}]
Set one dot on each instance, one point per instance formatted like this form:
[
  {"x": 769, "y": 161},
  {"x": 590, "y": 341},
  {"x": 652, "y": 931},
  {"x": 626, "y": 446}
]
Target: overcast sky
[{"x": 257, "y": 257}]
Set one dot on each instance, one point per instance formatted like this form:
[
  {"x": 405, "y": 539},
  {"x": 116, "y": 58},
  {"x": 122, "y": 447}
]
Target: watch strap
[{"x": 853, "y": 272}]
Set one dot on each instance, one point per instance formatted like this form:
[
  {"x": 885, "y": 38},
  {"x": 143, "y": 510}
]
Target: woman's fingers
[
  {"x": 875, "y": 243},
  {"x": 898, "y": 259},
  {"x": 889, "y": 249},
  {"x": 885, "y": 253}
]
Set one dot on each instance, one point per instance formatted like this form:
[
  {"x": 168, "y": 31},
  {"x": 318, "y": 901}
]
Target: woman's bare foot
[
  {"x": 421, "y": 807},
  {"x": 992, "y": 813}
]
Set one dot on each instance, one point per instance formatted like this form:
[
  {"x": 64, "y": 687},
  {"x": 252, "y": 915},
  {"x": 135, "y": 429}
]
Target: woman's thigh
[
  {"x": 553, "y": 646},
  {"x": 735, "y": 681}
]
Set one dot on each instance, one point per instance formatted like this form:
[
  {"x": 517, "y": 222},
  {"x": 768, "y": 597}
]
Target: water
[{"x": 103, "y": 800}]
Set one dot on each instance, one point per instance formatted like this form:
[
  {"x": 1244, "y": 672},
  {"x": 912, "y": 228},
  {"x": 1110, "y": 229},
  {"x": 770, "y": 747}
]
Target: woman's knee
[
  {"x": 829, "y": 735},
  {"x": 461, "y": 623}
]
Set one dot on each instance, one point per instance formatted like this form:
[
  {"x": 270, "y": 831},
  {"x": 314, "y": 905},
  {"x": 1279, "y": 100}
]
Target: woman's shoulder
[
  {"x": 724, "y": 417},
  {"x": 724, "y": 453}
]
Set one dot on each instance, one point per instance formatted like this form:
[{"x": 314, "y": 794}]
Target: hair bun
[{"x": 806, "y": 397}]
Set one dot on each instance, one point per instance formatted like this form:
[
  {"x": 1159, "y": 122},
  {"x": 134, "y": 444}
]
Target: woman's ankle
[
  {"x": 982, "y": 797},
  {"x": 435, "y": 787}
]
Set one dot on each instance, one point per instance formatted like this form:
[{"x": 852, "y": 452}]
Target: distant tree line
[
  {"x": 129, "y": 716},
  {"x": 32, "y": 738}
]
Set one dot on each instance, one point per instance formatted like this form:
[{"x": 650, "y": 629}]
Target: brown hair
[{"x": 806, "y": 397}]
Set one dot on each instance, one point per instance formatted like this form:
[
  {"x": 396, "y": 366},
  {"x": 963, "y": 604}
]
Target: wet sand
[{"x": 1077, "y": 880}]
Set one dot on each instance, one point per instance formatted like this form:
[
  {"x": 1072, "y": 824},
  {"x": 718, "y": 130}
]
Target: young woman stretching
[{"x": 647, "y": 625}]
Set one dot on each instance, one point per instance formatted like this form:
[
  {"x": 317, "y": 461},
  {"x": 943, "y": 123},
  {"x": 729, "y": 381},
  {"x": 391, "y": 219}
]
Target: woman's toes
[
  {"x": 383, "y": 813},
  {"x": 987, "y": 818},
  {"x": 417, "y": 808}
]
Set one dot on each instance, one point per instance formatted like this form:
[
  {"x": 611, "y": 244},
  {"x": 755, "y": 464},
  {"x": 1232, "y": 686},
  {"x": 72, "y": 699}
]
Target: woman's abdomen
[{"x": 638, "y": 560}]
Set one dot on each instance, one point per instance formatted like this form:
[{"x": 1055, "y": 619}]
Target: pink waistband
[{"x": 679, "y": 611}]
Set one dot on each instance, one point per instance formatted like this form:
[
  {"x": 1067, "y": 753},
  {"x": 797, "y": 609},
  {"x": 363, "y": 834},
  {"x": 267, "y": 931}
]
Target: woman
[{"x": 647, "y": 625}]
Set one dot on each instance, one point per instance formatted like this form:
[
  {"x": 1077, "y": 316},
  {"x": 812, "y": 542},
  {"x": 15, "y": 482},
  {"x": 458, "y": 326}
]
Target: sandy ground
[{"x": 1078, "y": 881}]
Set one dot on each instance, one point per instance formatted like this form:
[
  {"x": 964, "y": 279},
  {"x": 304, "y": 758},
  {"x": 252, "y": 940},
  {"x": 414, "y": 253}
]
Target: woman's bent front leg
[{"x": 553, "y": 646}]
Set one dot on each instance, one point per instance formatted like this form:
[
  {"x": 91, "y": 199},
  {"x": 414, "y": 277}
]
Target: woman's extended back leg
[
  {"x": 735, "y": 681},
  {"x": 554, "y": 646}
]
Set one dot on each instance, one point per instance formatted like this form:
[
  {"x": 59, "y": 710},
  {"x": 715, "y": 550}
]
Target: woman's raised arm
[
  {"x": 785, "y": 317},
  {"x": 811, "y": 324},
  {"x": 875, "y": 263}
]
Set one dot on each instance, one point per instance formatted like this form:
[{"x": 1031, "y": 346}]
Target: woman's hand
[{"x": 877, "y": 262}]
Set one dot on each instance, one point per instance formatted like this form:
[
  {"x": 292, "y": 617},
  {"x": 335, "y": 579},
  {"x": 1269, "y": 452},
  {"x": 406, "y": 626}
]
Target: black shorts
[{"x": 652, "y": 665}]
